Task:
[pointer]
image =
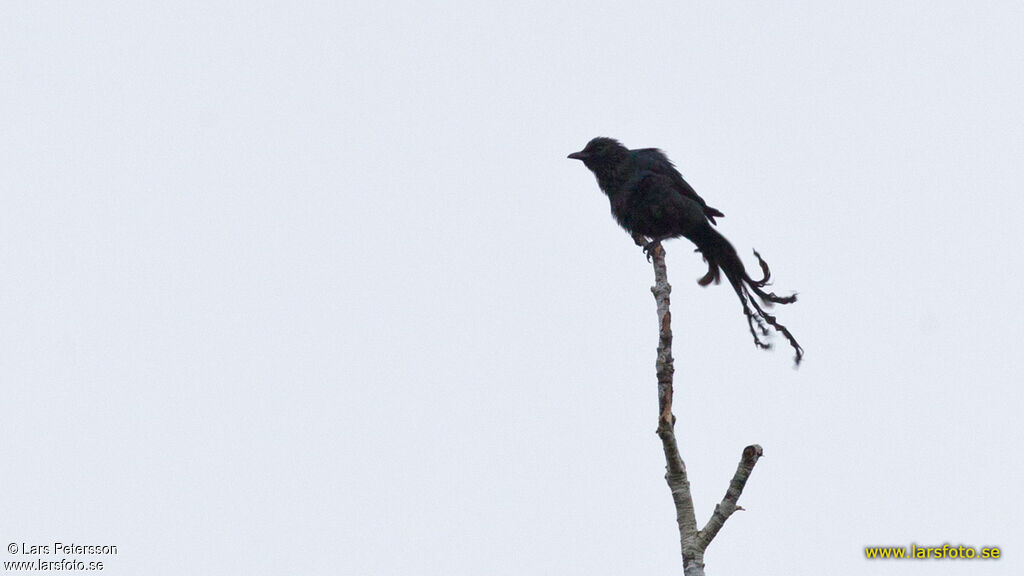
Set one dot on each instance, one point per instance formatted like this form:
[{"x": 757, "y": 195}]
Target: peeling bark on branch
[{"x": 692, "y": 542}]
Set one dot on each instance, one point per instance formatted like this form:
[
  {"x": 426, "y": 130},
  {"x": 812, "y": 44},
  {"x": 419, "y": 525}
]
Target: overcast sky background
[{"x": 313, "y": 288}]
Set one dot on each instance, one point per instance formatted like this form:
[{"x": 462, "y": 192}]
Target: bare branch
[
  {"x": 675, "y": 476},
  {"x": 727, "y": 506},
  {"x": 692, "y": 542}
]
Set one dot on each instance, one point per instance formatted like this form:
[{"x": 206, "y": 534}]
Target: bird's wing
[
  {"x": 656, "y": 161},
  {"x": 657, "y": 209}
]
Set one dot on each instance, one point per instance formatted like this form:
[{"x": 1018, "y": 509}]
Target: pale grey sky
[{"x": 313, "y": 288}]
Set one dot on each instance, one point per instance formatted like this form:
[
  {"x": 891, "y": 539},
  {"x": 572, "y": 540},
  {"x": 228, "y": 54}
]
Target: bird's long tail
[{"x": 721, "y": 257}]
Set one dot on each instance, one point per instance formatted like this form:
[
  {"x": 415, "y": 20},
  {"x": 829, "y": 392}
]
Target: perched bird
[{"x": 650, "y": 199}]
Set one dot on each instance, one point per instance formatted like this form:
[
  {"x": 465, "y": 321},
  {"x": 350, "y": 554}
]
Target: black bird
[{"x": 650, "y": 199}]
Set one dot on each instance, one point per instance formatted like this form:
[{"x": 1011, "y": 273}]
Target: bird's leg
[
  {"x": 649, "y": 247},
  {"x": 646, "y": 244}
]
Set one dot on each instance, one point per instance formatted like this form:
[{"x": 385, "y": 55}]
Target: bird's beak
[{"x": 578, "y": 155}]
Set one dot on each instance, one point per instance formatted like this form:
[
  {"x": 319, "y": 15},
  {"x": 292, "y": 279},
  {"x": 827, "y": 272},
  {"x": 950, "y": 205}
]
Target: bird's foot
[{"x": 649, "y": 247}]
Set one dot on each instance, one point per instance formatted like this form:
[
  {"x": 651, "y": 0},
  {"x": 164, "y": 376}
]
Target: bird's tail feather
[{"x": 721, "y": 257}]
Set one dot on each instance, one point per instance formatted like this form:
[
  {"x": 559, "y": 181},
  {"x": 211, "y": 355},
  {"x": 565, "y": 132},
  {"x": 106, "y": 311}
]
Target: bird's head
[{"x": 600, "y": 152}]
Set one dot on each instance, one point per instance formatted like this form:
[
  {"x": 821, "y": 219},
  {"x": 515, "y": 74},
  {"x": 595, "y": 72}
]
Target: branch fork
[{"x": 693, "y": 542}]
